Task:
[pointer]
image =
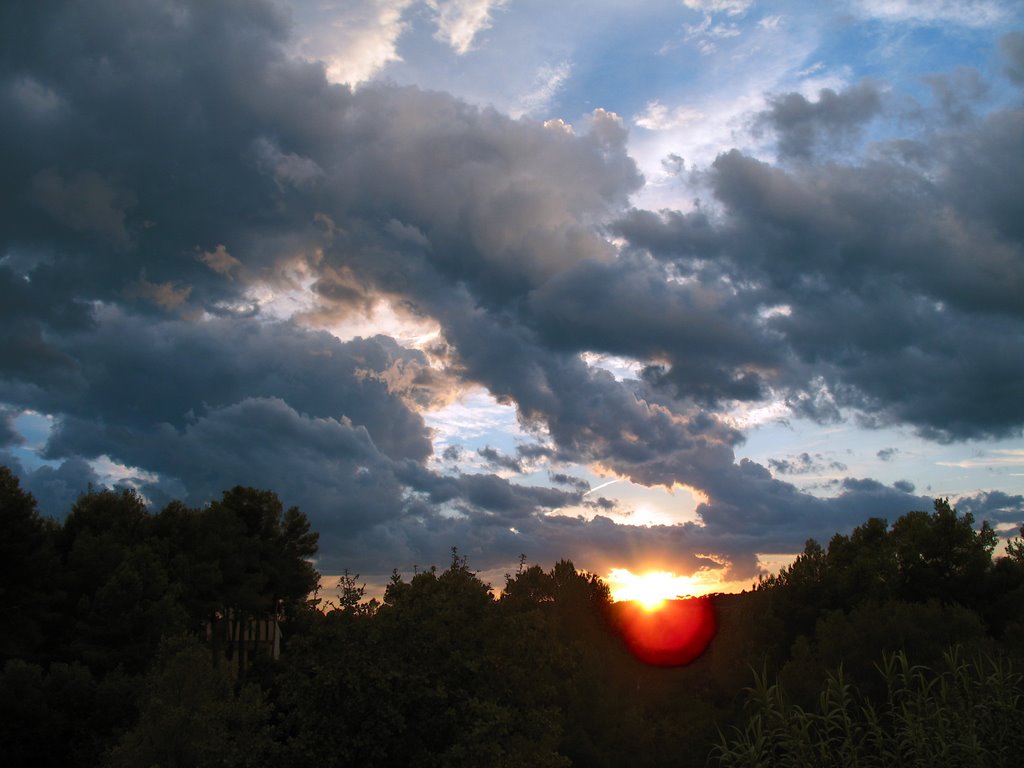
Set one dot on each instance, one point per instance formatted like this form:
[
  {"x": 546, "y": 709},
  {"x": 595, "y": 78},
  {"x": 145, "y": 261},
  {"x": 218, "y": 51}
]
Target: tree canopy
[{"x": 128, "y": 643}]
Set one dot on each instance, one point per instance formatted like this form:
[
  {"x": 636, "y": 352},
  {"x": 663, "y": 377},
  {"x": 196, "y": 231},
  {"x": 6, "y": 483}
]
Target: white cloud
[
  {"x": 354, "y": 38},
  {"x": 707, "y": 32},
  {"x": 658, "y": 117},
  {"x": 549, "y": 81},
  {"x": 731, "y": 7},
  {"x": 459, "y": 21},
  {"x": 996, "y": 458},
  {"x": 979, "y": 13}
]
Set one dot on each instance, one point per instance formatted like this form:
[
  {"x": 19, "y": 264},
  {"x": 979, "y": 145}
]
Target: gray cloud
[
  {"x": 994, "y": 506},
  {"x": 801, "y": 125},
  {"x": 535, "y": 452},
  {"x": 958, "y": 92},
  {"x": 498, "y": 459},
  {"x": 872, "y": 277},
  {"x": 1011, "y": 45},
  {"x": 577, "y": 483},
  {"x": 161, "y": 182},
  {"x": 805, "y": 463},
  {"x": 139, "y": 375},
  {"x": 8, "y": 434},
  {"x": 887, "y": 454},
  {"x": 452, "y": 453},
  {"x": 55, "y": 488}
]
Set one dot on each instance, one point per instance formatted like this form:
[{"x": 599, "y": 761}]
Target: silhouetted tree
[
  {"x": 28, "y": 569},
  {"x": 192, "y": 716}
]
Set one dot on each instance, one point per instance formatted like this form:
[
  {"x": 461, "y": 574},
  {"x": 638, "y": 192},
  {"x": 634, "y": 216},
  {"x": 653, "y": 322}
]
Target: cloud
[
  {"x": 84, "y": 201},
  {"x": 657, "y": 117},
  {"x": 208, "y": 151},
  {"x": 9, "y": 434},
  {"x": 994, "y": 506},
  {"x": 886, "y": 269},
  {"x": 220, "y": 261},
  {"x": 800, "y": 125},
  {"x": 55, "y": 488},
  {"x": 286, "y": 168},
  {"x": 1011, "y": 45},
  {"x": 980, "y": 13},
  {"x": 577, "y": 483},
  {"x": 958, "y": 92},
  {"x": 460, "y": 21},
  {"x": 500, "y": 460},
  {"x": 730, "y": 7},
  {"x": 355, "y": 39},
  {"x": 549, "y": 80},
  {"x": 166, "y": 295},
  {"x": 140, "y": 376},
  {"x": 804, "y": 463},
  {"x": 708, "y": 31}
]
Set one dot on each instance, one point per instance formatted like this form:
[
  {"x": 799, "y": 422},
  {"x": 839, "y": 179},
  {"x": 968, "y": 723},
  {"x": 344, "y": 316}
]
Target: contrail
[{"x": 602, "y": 485}]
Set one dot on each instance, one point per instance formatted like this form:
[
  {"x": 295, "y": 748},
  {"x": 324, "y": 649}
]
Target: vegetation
[
  {"x": 128, "y": 642},
  {"x": 965, "y": 714}
]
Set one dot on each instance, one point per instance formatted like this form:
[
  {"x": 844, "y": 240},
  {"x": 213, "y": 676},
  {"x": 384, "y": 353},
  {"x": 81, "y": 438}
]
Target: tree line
[{"x": 127, "y": 642}]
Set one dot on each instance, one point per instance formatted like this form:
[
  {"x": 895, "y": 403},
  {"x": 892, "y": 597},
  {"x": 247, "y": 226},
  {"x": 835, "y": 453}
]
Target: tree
[
  {"x": 118, "y": 594},
  {"x": 192, "y": 716},
  {"x": 940, "y": 555},
  {"x": 262, "y": 553},
  {"x": 27, "y": 570}
]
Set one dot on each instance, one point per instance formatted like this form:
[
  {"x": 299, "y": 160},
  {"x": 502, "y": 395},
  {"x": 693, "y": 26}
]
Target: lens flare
[{"x": 672, "y": 635}]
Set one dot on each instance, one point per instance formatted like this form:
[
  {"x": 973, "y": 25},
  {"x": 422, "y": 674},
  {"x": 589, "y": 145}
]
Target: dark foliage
[{"x": 125, "y": 644}]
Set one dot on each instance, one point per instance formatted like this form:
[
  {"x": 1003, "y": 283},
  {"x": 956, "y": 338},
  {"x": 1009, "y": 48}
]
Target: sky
[{"x": 670, "y": 285}]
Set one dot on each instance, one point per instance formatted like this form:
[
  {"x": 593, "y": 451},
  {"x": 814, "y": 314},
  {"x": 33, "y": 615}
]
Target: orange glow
[{"x": 670, "y": 636}]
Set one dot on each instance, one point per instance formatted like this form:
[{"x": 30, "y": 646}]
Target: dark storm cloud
[
  {"x": 498, "y": 459},
  {"x": 887, "y": 454},
  {"x": 994, "y": 506},
  {"x": 167, "y": 167},
  {"x": 874, "y": 277},
  {"x": 747, "y": 503},
  {"x": 452, "y": 453},
  {"x": 139, "y": 375},
  {"x": 800, "y": 125},
  {"x": 599, "y": 543},
  {"x": 196, "y": 163},
  {"x": 578, "y": 483},
  {"x": 714, "y": 346},
  {"x": 805, "y": 463},
  {"x": 55, "y": 488},
  {"x": 8, "y": 434}
]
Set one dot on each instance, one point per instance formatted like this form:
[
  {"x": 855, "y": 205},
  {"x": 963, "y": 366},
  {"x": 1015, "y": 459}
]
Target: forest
[{"x": 197, "y": 637}]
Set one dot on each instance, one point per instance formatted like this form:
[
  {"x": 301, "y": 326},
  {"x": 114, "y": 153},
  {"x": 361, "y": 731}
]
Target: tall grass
[{"x": 969, "y": 713}]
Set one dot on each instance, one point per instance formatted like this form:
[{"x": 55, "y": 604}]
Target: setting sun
[{"x": 649, "y": 589}]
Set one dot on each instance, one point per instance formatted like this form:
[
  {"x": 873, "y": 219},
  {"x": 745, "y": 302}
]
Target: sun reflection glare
[{"x": 649, "y": 589}]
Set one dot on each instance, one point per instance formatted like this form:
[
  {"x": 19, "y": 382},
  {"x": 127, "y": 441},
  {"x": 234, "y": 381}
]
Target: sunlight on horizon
[{"x": 649, "y": 589}]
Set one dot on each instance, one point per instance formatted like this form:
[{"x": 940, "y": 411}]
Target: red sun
[{"x": 671, "y": 634}]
